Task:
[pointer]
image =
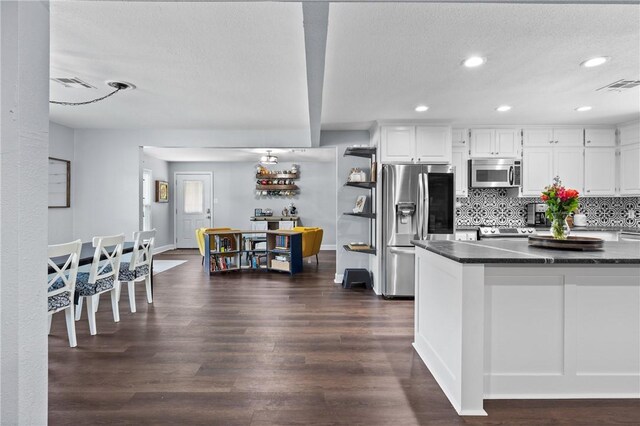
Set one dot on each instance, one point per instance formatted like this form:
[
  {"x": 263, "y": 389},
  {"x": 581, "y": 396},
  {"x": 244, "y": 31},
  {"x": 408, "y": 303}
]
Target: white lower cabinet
[
  {"x": 599, "y": 171},
  {"x": 460, "y": 160},
  {"x": 630, "y": 169}
]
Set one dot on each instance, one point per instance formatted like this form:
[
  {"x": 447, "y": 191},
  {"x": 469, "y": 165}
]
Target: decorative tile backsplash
[{"x": 493, "y": 207}]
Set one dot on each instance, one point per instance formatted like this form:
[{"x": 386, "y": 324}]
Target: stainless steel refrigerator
[{"x": 418, "y": 203}]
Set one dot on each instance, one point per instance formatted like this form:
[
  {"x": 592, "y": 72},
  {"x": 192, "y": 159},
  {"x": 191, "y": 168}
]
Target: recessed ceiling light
[
  {"x": 421, "y": 108},
  {"x": 474, "y": 61},
  {"x": 594, "y": 62},
  {"x": 583, "y": 108},
  {"x": 503, "y": 108}
]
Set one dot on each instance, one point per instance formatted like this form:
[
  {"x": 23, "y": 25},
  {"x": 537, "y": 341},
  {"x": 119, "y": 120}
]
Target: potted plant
[{"x": 561, "y": 202}]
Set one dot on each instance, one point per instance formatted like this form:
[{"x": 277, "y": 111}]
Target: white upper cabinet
[
  {"x": 630, "y": 169},
  {"x": 500, "y": 143},
  {"x": 460, "y": 160},
  {"x": 398, "y": 144},
  {"x": 537, "y": 137},
  {"x": 433, "y": 144},
  {"x": 411, "y": 144},
  {"x": 600, "y": 171},
  {"x": 537, "y": 170},
  {"x": 460, "y": 137},
  {"x": 541, "y": 164},
  {"x": 482, "y": 143},
  {"x": 552, "y": 137},
  {"x": 629, "y": 134},
  {"x": 599, "y": 137},
  {"x": 568, "y": 164},
  {"x": 507, "y": 143},
  {"x": 629, "y": 159}
]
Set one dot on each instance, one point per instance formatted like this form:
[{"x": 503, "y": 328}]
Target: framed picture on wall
[{"x": 162, "y": 191}]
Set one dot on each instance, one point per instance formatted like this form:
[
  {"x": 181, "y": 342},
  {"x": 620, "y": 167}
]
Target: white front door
[{"x": 193, "y": 207}]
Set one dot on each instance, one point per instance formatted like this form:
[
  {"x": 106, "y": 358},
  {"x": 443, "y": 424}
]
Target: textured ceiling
[
  {"x": 234, "y": 65},
  {"x": 383, "y": 59},
  {"x": 241, "y": 155},
  {"x": 197, "y": 65}
]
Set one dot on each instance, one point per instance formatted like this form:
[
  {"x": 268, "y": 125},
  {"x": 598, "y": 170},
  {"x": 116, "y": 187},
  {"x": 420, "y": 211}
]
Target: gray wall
[
  {"x": 161, "y": 218},
  {"x": 108, "y": 169},
  {"x": 234, "y": 188},
  {"x": 61, "y": 145},
  {"x": 348, "y": 228}
]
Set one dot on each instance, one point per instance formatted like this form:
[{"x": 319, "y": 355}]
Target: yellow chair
[
  {"x": 311, "y": 240},
  {"x": 200, "y": 237}
]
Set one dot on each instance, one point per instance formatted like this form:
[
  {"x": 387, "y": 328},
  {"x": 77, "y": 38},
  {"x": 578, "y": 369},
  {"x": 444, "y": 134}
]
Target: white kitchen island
[{"x": 502, "y": 320}]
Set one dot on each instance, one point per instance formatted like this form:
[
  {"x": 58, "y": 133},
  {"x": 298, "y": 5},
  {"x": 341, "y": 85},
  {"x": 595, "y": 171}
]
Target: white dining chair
[
  {"x": 61, "y": 284},
  {"x": 139, "y": 266},
  {"x": 101, "y": 278}
]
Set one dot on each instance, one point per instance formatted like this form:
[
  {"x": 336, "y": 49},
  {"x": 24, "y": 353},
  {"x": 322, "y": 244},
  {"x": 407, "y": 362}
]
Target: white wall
[
  {"x": 348, "y": 228},
  {"x": 108, "y": 169},
  {"x": 161, "y": 217},
  {"x": 234, "y": 187},
  {"x": 24, "y": 139},
  {"x": 61, "y": 145}
]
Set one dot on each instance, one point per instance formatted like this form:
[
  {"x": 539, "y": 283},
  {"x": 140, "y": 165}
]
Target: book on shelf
[
  {"x": 222, "y": 244},
  {"x": 282, "y": 242},
  {"x": 221, "y": 263}
]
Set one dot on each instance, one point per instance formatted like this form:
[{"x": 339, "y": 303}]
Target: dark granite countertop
[
  {"x": 509, "y": 252},
  {"x": 598, "y": 229}
]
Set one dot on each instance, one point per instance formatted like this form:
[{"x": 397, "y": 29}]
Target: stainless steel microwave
[{"x": 495, "y": 173}]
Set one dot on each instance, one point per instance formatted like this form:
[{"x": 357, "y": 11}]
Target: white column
[{"x": 24, "y": 138}]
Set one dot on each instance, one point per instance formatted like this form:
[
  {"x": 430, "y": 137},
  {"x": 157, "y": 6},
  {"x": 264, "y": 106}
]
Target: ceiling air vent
[
  {"x": 620, "y": 85},
  {"x": 73, "y": 82}
]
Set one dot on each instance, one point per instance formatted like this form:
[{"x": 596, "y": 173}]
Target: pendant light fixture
[{"x": 268, "y": 159}]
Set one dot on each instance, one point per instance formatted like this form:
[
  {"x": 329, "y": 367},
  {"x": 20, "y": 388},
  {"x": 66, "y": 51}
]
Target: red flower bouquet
[{"x": 561, "y": 202}]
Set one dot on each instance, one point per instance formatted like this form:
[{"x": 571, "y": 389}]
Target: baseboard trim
[
  {"x": 338, "y": 278},
  {"x": 161, "y": 249},
  {"x": 331, "y": 247}
]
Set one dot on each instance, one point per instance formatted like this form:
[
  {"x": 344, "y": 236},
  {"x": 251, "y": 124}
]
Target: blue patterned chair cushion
[
  {"x": 84, "y": 288},
  {"x": 59, "y": 301},
  {"x": 56, "y": 285},
  {"x": 127, "y": 275}
]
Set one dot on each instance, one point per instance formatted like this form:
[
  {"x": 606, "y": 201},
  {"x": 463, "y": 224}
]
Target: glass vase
[{"x": 559, "y": 227}]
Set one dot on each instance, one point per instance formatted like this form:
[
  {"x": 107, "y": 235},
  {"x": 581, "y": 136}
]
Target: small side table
[{"x": 356, "y": 276}]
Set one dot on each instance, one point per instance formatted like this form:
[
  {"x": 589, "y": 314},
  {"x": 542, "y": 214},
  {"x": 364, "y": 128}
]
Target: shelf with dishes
[
  {"x": 277, "y": 187},
  {"x": 293, "y": 176}
]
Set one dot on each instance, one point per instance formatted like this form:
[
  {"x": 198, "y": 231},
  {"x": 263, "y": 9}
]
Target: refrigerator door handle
[
  {"x": 396, "y": 250},
  {"x": 424, "y": 178},
  {"x": 420, "y": 207}
]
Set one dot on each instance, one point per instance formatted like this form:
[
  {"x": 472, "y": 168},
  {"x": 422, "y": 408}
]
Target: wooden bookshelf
[{"x": 226, "y": 251}]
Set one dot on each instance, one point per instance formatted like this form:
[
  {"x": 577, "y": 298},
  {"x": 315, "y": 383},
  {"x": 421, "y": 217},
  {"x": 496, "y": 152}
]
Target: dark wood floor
[{"x": 264, "y": 349}]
